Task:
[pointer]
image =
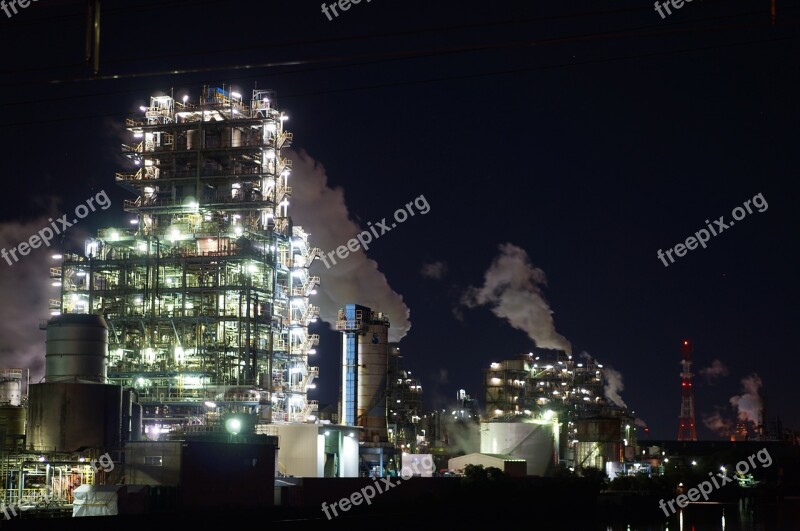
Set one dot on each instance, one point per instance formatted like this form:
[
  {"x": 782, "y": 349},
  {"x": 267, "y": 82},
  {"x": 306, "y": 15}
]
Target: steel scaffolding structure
[{"x": 206, "y": 293}]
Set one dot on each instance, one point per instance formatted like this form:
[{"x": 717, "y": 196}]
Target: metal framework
[
  {"x": 686, "y": 428},
  {"x": 207, "y": 292}
]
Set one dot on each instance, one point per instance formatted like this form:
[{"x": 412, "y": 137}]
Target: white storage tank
[
  {"x": 76, "y": 349},
  {"x": 533, "y": 441}
]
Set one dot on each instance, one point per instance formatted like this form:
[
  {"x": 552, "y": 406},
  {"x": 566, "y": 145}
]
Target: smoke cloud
[
  {"x": 435, "y": 270},
  {"x": 748, "y": 404},
  {"x": 613, "y": 386},
  {"x": 512, "y": 287},
  {"x": 26, "y": 289},
  {"x": 715, "y": 372},
  {"x": 323, "y": 214},
  {"x": 719, "y": 422}
]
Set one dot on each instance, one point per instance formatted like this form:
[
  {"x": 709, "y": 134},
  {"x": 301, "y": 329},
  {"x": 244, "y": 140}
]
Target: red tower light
[{"x": 686, "y": 429}]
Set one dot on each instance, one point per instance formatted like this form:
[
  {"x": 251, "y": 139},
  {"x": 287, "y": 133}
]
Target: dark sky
[{"x": 588, "y": 134}]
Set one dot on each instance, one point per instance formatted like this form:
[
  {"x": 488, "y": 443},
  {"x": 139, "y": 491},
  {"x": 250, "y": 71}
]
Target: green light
[{"x": 233, "y": 425}]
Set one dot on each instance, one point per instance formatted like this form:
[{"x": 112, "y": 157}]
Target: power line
[
  {"x": 418, "y": 31},
  {"x": 373, "y": 58},
  {"x": 447, "y": 78}
]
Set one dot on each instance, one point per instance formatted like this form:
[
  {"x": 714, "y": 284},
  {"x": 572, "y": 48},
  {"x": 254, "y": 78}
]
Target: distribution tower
[
  {"x": 206, "y": 292},
  {"x": 686, "y": 429}
]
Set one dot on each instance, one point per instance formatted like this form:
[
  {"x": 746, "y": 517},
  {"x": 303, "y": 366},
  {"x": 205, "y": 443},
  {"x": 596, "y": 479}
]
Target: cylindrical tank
[
  {"x": 532, "y": 441},
  {"x": 65, "y": 416},
  {"x": 10, "y": 387},
  {"x": 76, "y": 348},
  {"x": 373, "y": 356},
  {"x": 12, "y": 425},
  {"x": 136, "y": 423}
]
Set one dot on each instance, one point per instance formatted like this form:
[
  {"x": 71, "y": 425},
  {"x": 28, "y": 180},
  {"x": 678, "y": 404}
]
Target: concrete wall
[{"x": 142, "y": 471}]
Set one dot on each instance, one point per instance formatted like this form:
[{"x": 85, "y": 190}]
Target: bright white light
[
  {"x": 185, "y": 98},
  {"x": 57, "y": 257},
  {"x": 134, "y": 222},
  {"x": 252, "y": 268},
  {"x": 236, "y": 95},
  {"x": 143, "y": 108},
  {"x": 56, "y": 284},
  {"x": 238, "y": 230},
  {"x": 270, "y": 155},
  {"x": 271, "y": 127},
  {"x": 312, "y": 352},
  {"x": 312, "y": 386},
  {"x": 81, "y": 273},
  {"x": 212, "y": 405},
  {"x": 233, "y": 425},
  {"x": 548, "y": 414},
  {"x": 284, "y": 117},
  {"x": 138, "y": 134}
]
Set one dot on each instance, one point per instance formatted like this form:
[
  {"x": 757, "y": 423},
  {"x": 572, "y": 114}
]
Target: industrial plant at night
[
  {"x": 183, "y": 339},
  {"x": 402, "y": 266}
]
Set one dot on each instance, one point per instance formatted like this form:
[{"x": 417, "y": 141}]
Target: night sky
[{"x": 577, "y": 138}]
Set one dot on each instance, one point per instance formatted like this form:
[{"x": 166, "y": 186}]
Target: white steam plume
[
  {"x": 716, "y": 371},
  {"x": 719, "y": 422},
  {"x": 323, "y": 214},
  {"x": 25, "y": 289},
  {"x": 748, "y": 404},
  {"x": 613, "y": 386},
  {"x": 512, "y": 287}
]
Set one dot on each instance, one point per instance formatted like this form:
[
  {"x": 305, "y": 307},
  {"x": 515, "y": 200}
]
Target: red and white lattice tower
[{"x": 686, "y": 430}]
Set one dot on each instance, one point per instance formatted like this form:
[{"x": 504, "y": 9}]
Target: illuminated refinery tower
[
  {"x": 686, "y": 430},
  {"x": 365, "y": 355},
  {"x": 206, "y": 293}
]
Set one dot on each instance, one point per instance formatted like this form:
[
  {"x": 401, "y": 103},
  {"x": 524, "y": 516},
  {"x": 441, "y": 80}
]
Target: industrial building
[
  {"x": 550, "y": 409},
  {"x": 377, "y": 394},
  {"x": 206, "y": 292}
]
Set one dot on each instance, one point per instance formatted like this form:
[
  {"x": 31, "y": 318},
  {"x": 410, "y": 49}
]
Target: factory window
[{"x": 153, "y": 460}]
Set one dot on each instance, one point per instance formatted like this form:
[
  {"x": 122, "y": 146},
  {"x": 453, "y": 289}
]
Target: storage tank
[
  {"x": 76, "y": 348},
  {"x": 10, "y": 387},
  {"x": 64, "y": 416},
  {"x": 533, "y": 441}
]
